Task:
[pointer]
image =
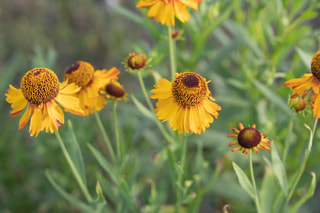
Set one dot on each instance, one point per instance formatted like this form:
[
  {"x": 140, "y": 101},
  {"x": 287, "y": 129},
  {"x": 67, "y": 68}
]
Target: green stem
[
  {"x": 144, "y": 91},
  {"x": 254, "y": 183},
  {"x": 115, "y": 123},
  {"x": 172, "y": 53},
  {"x": 288, "y": 139},
  {"x": 73, "y": 168},
  {"x": 105, "y": 136},
  {"x": 180, "y": 176},
  {"x": 146, "y": 96},
  {"x": 304, "y": 162}
]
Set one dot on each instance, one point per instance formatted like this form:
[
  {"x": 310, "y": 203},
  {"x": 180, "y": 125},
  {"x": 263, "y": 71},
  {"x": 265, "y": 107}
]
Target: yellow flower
[
  {"x": 136, "y": 62},
  {"x": 91, "y": 82},
  {"x": 115, "y": 91},
  {"x": 38, "y": 93},
  {"x": 164, "y": 11},
  {"x": 309, "y": 84},
  {"x": 249, "y": 138},
  {"x": 186, "y": 103}
]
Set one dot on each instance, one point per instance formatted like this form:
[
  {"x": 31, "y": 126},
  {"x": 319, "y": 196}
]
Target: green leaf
[
  {"x": 305, "y": 57},
  {"x": 75, "y": 202},
  {"x": 243, "y": 180},
  {"x": 279, "y": 170},
  {"x": 110, "y": 189},
  {"x": 126, "y": 13},
  {"x": 126, "y": 195},
  {"x": 74, "y": 150},
  {"x": 99, "y": 203},
  {"x": 240, "y": 32},
  {"x": 142, "y": 108},
  {"x": 272, "y": 97},
  {"x": 308, "y": 195},
  {"x": 104, "y": 163},
  {"x": 172, "y": 163},
  {"x": 267, "y": 192}
]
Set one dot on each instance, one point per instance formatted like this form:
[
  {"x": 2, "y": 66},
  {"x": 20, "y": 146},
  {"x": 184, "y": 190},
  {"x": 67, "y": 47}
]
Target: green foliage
[{"x": 246, "y": 48}]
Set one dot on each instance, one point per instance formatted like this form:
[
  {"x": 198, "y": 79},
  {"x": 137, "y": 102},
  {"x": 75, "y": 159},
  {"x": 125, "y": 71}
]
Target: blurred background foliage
[{"x": 246, "y": 48}]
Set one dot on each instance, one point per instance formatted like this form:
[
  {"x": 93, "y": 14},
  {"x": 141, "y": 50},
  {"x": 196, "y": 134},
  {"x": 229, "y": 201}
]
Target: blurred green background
[{"x": 246, "y": 48}]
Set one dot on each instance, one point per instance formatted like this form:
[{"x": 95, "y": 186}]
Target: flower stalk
[
  {"x": 105, "y": 136},
  {"x": 172, "y": 53},
  {"x": 304, "y": 162},
  {"x": 73, "y": 168},
  {"x": 116, "y": 130},
  {"x": 146, "y": 96},
  {"x": 256, "y": 197}
]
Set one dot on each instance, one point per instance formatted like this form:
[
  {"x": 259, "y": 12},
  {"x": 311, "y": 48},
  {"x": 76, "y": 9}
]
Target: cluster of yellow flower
[
  {"x": 185, "y": 102},
  {"x": 83, "y": 90}
]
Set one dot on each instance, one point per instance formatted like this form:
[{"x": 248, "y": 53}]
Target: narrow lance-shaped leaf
[
  {"x": 74, "y": 150},
  {"x": 279, "y": 170},
  {"x": 75, "y": 202},
  {"x": 308, "y": 195},
  {"x": 243, "y": 180}
]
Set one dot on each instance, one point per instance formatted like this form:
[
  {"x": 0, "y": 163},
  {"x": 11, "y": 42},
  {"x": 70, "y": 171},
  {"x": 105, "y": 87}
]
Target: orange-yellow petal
[
  {"x": 16, "y": 99},
  {"x": 181, "y": 12},
  {"x": 25, "y": 117}
]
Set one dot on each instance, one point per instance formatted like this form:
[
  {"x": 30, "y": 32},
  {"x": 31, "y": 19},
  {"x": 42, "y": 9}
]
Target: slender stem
[
  {"x": 115, "y": 123},
  {"x": 288, "y": 139},
  {"x": 144, "y": 91},
  {"x": 180, "y": 175},
  {"x": 172, "y": 53},
  {"x": 105, "y": 136},
  {"x": 73, "y": 168},
  {"x": 254, "y": 183},
  {"x": 146, "y": 96},
  {"x": 304, "y": 162}
]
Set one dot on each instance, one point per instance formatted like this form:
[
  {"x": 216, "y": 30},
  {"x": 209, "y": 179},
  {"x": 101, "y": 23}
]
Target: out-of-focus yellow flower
[
  {"x": 186, "y": 103},
  {"x": 164, "y": 11},
  {"x": 39, "y": 91},
  {"x": 91, "y": 82}
]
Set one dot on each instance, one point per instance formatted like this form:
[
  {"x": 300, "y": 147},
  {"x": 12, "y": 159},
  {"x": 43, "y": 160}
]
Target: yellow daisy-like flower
[
  {"x": 249, "y": 138},
  {"x": 91, "y": 82},
  {"x": 136, "y": 62},
  {"x": 39, "y": 91},
  {"x": 309, "y": 84},
  {"x": 186, "y": 103},
  {"x": 115, "y": 91},
  {"x": 164, "y": 11}
]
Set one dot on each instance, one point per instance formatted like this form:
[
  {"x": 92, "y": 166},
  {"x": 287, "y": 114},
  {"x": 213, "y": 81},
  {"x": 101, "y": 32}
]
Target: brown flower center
[
  {"x": 315, "y": 65},
  {"x": 40, "y": 85},
  {"x": 249, "y": 137},
  {"x": 80, "y": 73},
  {"x": 189, "y": 89},
  {"x": 115, "y": 89}
]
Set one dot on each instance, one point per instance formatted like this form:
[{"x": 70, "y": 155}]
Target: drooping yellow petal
[
  {"x": 166, "y": 109},
  {"x": 316, "y": 107},
  {"x": 70, "y": 104},
  {"x": 36, "y": 121},
  {"x": 146, "y": 3},
  {"x": 181, "y": 12},
  {"x": 56, "y": 116},
  {"x": 25, "y": 117},
  {"x": 16, "y": 99},
  {"x": 165, "y": 11}
]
